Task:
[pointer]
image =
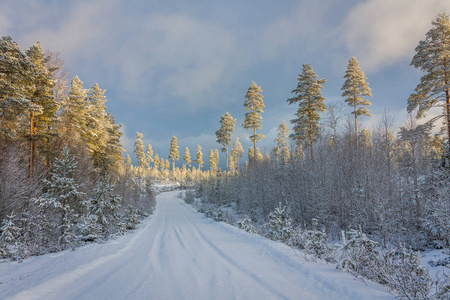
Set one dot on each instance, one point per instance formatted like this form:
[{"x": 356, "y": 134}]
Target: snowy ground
[{"x": 180, "y": 254}]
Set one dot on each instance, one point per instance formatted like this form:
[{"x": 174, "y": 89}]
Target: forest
[{"x": 64, "y": 181}]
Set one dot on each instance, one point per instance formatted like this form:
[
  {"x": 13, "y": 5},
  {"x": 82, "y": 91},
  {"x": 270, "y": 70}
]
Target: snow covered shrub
[
  {"x": 313, "y": 242},
  {"x": 103, "y": 205},
  {"x": 400, "y": 270},
  {"x": 131, "y": 218},
  {"x": 246, "y": 224},
  {"x": 216, "y": 215},
  {"x": 279, "y": 227},
  {"x": 189, "y": 197},
  {"x": 360, "y": 256},
  {"x": 11, "y": 245},
  {"x": 436, "y": 223},
  {"x": 89, "y": 229}
]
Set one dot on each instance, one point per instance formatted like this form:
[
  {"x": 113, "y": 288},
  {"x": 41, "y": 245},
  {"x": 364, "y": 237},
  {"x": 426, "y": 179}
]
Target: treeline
[
  {"x": 391, "y": 183},
  {"x": 63, "y": 180}
]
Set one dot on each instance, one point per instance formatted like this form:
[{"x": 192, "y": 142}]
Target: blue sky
[{"x": 174, "y": 67}]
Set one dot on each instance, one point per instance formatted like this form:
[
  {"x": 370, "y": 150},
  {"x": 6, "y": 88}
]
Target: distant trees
[
  {"x": 223, "y": 135},
  {"x": 311, "y": 103},
  {"x": 281, "y": 149},
  {"x": 355, "y": 88},
  {"x": 254, "y": 107}
]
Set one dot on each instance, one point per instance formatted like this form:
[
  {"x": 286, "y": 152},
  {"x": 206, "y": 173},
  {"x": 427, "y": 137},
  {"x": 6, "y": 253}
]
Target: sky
[{"x": 172, "y": 68}]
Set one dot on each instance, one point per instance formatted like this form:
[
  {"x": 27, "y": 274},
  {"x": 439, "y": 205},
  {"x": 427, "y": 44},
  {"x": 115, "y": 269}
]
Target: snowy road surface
[{"x": 180, "y": 254}]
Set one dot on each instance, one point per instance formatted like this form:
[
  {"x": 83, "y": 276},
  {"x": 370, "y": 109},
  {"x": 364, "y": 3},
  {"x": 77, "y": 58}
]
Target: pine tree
[
  {"x": 199, "y": 156},
  {"x": 41, "y": 96},
  {"x": 433, "y": 57},
  {"x": 223, "y": 135},
  {"x": 14, "y": 87},
  {"x": 238, "y": 150},
  {"x": 156, "y": 161},
  {"x": 233, "y": 160},
  {"x": 258, "y": 156},
  {"x": 149, "y": 155},
  {"x": 254, "y": 107},
  {"x": 251, "y": 154},
  {"x": 311, "y": 103},
  {"x": 282, "y": 147},
  {"x": 187, "y": 157},
  {"x": 140, "y": 155},
  {"x": 355, "y": 88},
  {"x": 212, "y": 159},
  {"x": 173, "y": 152}
]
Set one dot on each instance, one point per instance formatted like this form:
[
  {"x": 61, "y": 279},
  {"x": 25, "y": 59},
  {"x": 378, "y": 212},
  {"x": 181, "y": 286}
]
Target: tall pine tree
[
  {"x": 311, "y": 103},
  {"x": 433, "y": 57},
  {"x": 254, "y": 107},
  {"x": 223, "y": 135},
  {"x": 173, "y": 152},
  {"x": 355, "y": 88}
]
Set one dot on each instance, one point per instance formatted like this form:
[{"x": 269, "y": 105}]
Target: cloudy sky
[{"x": 174, "y": 67}]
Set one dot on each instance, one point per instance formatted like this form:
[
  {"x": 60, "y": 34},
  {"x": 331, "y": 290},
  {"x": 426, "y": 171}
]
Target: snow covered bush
[
  {"x": 313, "y": 242},
  {"x": 216, "y": 215},
  {"x": 279, "y": 227},
  {"x": 246, "y": 224},
  {"x": 130, "y": 219},
  {"x": 360, "y": 256},
  {"x": 189, "y": 197}
]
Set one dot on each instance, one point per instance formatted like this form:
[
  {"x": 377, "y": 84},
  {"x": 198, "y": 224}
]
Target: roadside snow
[{"x": 180, "y": 254}]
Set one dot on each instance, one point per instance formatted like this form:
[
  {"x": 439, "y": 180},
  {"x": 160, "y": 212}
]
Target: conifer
[
  {"x": 355, "y": 88},
  {"x": 311, "y": 103},
  {"x": 187, "y": 157},
  {"x": 223, "y": 135},
  {"x": 254, "y": 107},
  {"x": 199, "y": 157},
  {"x": 433, "y": 57},
  {"x": 173, "y": 152}
]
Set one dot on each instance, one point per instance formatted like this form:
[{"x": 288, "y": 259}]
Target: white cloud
[{"x": 381, "y": 32}]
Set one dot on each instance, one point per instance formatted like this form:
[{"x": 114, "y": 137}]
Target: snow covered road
[{"x": 180, "y": 254}]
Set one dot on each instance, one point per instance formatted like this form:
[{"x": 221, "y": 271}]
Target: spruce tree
[
  {"x": 156, "y": 161},
  {"x": 433, "y": 57},
  {"x": 254, "y": 107},
  {"x": 311, "y": 103},
  {"x": 187, "y": 157},
  {"x": 74, "y": 112},
  {"x": 212, "y": 162},
  {"x": 199, "y": 157},
  {"x": 223, "y": 135},
  {"x": 355, "y": 88},
  {"x": 173, "y": 152}
]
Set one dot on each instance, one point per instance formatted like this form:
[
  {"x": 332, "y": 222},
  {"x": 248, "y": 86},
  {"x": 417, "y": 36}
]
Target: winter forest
[{"x": 365, "y": 199}]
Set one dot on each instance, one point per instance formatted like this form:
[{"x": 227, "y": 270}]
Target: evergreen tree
[
  {"x": 355, "y": 88},
  {"x": 223, "y": 135},
  {"x": 258, "y": 156},
  {"x": 40, "y": 95},
  {"x": 62, "y": 200},
  {"x": 74, "y": 112},
  {"x": 140, "y": 155},
  {"x": 156, "y": 161},
  {"x": 282, "y": 147},
  {"x": 187, "y": 157},
  {"x": 311, "y": 103},
  {"x": 433, "y": 57},
  {"x": 149, "y": 155},
  {"x": 212, "y": 162},
  {"x": 199, "y": 156},
  {"x": 254, "y": 107},
  {"x": 251, "y": 154},
  {"x": 238, "y": 150},
  {"x": 233, "y": 160},
  {"x": 173, "y": 152},
  {"x": 14, "y": 87}
]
